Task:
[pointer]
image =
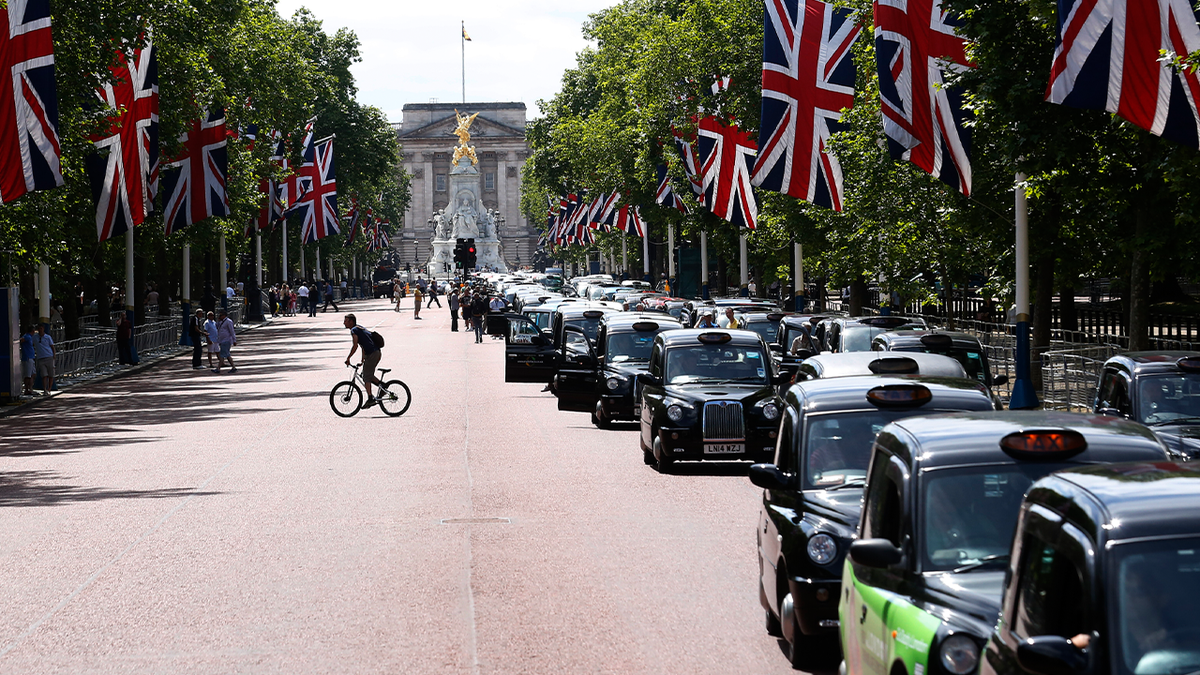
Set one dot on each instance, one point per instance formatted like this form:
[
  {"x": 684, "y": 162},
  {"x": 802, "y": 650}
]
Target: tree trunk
[
  {"x": 1042, "y": 307},
  {"x": 1069, "y": 319},
  {"x": 858, "y": 296},
  {"x": 28, "y": 303},
  {"x": 70, "y": 311},
  {"x": 1139, "y": 283}
]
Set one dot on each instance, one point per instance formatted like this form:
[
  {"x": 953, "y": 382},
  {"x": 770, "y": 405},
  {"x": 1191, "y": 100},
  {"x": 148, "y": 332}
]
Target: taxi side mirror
[
  {"x": 1111, "y": 412},
  {"x": 999, "y": 380},
  {"x": 775, "y": 348},
  {"x": 769, "y": 477},
  {"x": 537, "y": 341},
  {"x": 648, "y": 380},
  {"x": 1050, "y": 655},
  {"x": 879, "y": 553},
  {"x": 781, "y": 378}
]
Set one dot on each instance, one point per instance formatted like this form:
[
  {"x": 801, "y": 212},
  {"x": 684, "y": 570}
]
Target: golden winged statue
[{"x": 464, "y": 137}]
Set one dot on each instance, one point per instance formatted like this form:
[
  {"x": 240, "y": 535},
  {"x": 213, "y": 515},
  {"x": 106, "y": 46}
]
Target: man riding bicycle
[{"x": 370, "y": 357}]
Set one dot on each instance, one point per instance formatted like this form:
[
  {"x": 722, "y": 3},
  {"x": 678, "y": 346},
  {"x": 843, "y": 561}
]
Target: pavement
[{"x": 178, "y": 521}]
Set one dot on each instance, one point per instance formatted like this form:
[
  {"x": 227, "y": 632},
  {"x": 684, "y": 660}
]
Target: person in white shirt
[
  {"x": 302, "y": 293},
  {"x": 229, "y": 293}
]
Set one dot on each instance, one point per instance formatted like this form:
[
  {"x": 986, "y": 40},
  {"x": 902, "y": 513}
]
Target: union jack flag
[
  {"x": 125, "y": 182},
  {"x": 29, "y": 143},
  {"x": 691, "y": 163},
  {"x": 807, "y": 80},
  {"x": 195, "y": 182},
  {"x": 629, "y": 219},
  {"x": 726, "y": 155},
  {"x": 318, "y": 193},
  {"x": 351, "y": 218},
  {"x": 665, "y": 194},
  {"x": 1106, "y": 57},
  {"x": 915, "y": 44}
]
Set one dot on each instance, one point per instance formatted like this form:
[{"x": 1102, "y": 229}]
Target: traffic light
[
  {"x": 460, "y": 252},
  {"x": 469, "y": 258}
]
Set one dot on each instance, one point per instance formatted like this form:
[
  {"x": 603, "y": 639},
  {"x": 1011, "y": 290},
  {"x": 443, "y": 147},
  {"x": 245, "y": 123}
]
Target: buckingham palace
[{"x": 427, "y": 141}]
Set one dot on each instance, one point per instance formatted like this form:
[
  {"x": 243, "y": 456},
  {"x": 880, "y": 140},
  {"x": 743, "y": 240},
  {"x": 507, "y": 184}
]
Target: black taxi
[
  {"x": 848, "y": 364},
  {"x": 533, "y": 354},
  {"x": 604, "y": 383},
  {"x": 963, "y": 347},
  {"x": 1158, "y": 389},
  {"x": 812, "y": 493},
  {"x": 1100, "y": 579},
  {"x": 922, "y": 583},
  {"x": 709, "y": 394}
]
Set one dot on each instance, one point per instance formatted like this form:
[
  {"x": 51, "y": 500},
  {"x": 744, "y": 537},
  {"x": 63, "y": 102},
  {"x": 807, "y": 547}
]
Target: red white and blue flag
[
  {"x": 351, "y": 219},
  {"x": 318, "y": 193},
  {"x": 807, "y": 80},
  {"x": 195, "y": 183},
  {"x": 726, "y": 155},
  {"x": 125, "y": 181},
  {"x": 923, "y": 118},
  {"x": 1107, "y": 57},
  {"x": 691, "y": 163},
  {"x": 29, "y": 144},
  {"x": 665, "y": 194},
  {"x": 629, "y": 219}
]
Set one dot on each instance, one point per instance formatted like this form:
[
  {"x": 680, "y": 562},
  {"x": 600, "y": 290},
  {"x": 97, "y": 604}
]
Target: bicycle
[{"x": 346, "y": 397}]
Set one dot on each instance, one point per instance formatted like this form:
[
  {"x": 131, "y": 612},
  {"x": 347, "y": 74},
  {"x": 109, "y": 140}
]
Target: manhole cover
[{"x": 475, "y": 521}]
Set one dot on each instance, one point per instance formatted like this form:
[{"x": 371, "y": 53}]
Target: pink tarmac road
[{"x": 176, "y": 521}]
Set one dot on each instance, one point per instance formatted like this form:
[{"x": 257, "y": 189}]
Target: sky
[{"x": 411, "y": 48}]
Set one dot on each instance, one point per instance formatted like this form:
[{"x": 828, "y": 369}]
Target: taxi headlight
[
  {"x": 613, "y": 384},
  {"x": 822, "y": 549},
  {"x": 959, "y": 654},
  {"x": 771, "y": 411},
  {"x": 674, "y": 413}
]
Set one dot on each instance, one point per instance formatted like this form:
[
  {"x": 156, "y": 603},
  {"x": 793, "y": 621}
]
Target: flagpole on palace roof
[{"x": 463, "y": 40}]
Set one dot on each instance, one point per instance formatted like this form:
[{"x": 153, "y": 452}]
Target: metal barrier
[{"x": 1069, "y": 376}]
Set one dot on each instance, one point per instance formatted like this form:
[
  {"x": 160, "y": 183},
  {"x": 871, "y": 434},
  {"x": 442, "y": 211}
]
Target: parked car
[
  {"x": 812, "y": 494},
  {"x": 963, "y": 347},
  {"x": 875, "y": 363},
  {"x": 1158, "y": 389},
  {"x": 1101, "y": 579},
  {"x": 922, "y": 583}
]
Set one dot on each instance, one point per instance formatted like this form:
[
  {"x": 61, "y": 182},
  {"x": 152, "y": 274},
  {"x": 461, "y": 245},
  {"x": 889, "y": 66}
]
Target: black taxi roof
[
  {"x": 576, "y": 310},
  {"x": 1139, "y": 363},
  {"x": 912, "y": 337},
  {"x": 691, "y": 336},
  {"x": 859, "y": 363},
  {"x": 797, "y": 320},
  {"x": 626, "y": 320},
  {"x": 974, "y": 437},
  {"x": 1134, "y": 496},
  {"x": 762, "y": 317},
  {"x": 850, "y": 393}
]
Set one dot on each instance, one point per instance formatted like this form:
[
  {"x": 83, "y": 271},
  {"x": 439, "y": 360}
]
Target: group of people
[
  {"x": 285, "y": 300},
  {"x": 215, "y": 335},
  {"x": 474, "y": 308},
  {"x": 37, "y": 357},
  {"x": 426, "y": 292}
]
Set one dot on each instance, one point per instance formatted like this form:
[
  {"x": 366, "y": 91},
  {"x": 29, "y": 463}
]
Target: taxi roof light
[
  {"x": 900, "y": 395},
  {"x": 774, "y": 316},
  {"x": 1189, "y": 364},
  {"x": 593, "y": 314},
  {"x": 714, "y": 338},
  {"x": 1044, "y": 443},
  {"x": 937, "y": 341},
  {"x": 894, "y": 365},
  {"x": 645, "y": 326}
]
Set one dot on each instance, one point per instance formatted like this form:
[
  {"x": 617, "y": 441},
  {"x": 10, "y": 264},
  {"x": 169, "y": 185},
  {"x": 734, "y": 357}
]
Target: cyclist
[{"x": 370, "y": 358}]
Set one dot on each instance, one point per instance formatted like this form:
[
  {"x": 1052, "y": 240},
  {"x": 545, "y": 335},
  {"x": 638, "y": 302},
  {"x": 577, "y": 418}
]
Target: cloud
[{"x": 411, "y": 50}]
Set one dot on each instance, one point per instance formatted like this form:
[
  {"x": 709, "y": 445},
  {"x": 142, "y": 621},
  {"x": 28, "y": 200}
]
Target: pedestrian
[
  {"x": 272, "y": 300},
  {"x": 479, "y": 310},
  {"x": 302, "y": 292},
  {"x": 397, "y": 293},
  {"x": 152, "y": 298},
  {"x": 452, "y": 301},
  {"x": 371, "y": 354},
  {"x": 433, "y": 295},
  {"x": 27, "y": 359},
  {"x": 417, "y": 301},
  {"x": 210, "y": 333},
  {"x": 226, "y": 339},
  {"x": 329, "y": 298},
  {"x": 124, "y": 335},
  {"x": 496, "y": 306},
  {"x": 731, "y": 320},
  {"x": 43, "y": 355},
  {"x": 196, "y": 333},
  {"x": 465, "y": 303},
  {"x": 314, "y": 297}
]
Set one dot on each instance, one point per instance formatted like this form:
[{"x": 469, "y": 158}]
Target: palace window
[
  {"x": 441, "y": 182},
  {"x": 489, "y": 181}
]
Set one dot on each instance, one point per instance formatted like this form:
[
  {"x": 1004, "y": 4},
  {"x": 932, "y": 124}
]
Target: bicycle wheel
[
  {"x": 345, "y": 399},
  {"x": 396, "y": 398}
]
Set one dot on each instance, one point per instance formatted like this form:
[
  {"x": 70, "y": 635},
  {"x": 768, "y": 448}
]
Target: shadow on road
[{"x": 38, "y": 488}]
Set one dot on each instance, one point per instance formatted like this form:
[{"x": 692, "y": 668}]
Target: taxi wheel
[
  {"x": 805, "y": 652},
  {"x": 774, "y": 628},
  {"x": 599, "y": 419},
  {"x": 662, "y": 462}
]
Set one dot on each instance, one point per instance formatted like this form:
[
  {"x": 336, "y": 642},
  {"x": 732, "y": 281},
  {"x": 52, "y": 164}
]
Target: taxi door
[
  {"x": 779, "y": 517},
  {"x": 528, "y": 354},
  {"x": 576, "y": 384}
]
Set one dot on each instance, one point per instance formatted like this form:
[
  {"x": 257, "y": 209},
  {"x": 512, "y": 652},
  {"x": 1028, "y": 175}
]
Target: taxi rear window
[
  {"x": 629, "y": 347},
  {"x": 972, "y": 360}
]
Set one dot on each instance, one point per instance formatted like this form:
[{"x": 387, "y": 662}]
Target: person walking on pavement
[
  {"x": 314, "y": 297},
  {"x": 370, "y": 358},
  {"x": 124, "y": 335},
  {"x": 417, "y": 301},
  {"x": 496, "y": 306},
  {"x": 43, "y": 353},
  {"x": 397, "y": 293},
  {"x": 302, "y": 293},
  {"x": 226, "y": 339},
  {"x": 27, "y": 359},
  {"x": 465, "y": 303},
  {"x": 433, "y": 295},
  {"x": 210, "y": 332},
  {"x": 329, "y": 298},
  {"x": 479, "y": 310},
  {"x": 196, "y": 333},
  {"x": 452, "y": 301}
]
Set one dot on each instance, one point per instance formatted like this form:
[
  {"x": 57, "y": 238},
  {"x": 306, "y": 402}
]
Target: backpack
[{"x": 377, "y": 339}]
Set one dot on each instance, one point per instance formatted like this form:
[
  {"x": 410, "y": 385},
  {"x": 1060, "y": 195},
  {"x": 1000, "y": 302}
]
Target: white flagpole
[{"x": 287, "y": 279}]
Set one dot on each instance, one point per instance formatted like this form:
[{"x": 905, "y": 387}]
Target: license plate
[
  {"x": 724, "y": 448},
  {"x": 637, "y": 410}
]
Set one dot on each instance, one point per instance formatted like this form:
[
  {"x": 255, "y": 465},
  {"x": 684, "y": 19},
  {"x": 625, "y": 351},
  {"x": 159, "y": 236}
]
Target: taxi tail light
[
  {"x": 937, "y": 341},
  {"x": 714, "y": 338},
  {"x": 645, "y": 326},
  {"x": 900, "y": 395},
  {"x": 1043, "y": 443},
  {"x": 895, "y": 365},
  {"x": 1189, "y": 364}
]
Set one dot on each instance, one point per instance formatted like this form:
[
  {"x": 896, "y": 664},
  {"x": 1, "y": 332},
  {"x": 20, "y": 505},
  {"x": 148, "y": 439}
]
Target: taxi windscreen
[
  {"x": 1155, "y": 585},
  {"x": 858, "y": 338},
  {"x": 838, "y": 446},
  {"x": 715, "y": 363},
  {"x": 590, "y": 327},
  {"x": 1169, "y": 399},
  {"x": 769, "y": 330},
  {"x": 629, "y": 347},
  {"x": 968, "y": 515}
]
